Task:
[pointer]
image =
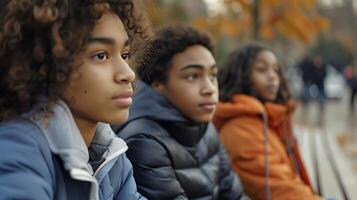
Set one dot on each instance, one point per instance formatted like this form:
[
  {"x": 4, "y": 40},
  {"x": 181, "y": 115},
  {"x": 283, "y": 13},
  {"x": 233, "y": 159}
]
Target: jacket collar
[
  {"x": 187, "y": 134},
  {"x": 277, "y": 113},
  {"x": 65, "y": 140},
  {"x": 150, "y": 104},
  {"x": 245, "y": 105}
]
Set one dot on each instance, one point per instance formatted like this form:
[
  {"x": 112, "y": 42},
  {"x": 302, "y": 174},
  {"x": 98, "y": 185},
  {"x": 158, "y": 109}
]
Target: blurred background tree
[{"x": 294, "y": 28}]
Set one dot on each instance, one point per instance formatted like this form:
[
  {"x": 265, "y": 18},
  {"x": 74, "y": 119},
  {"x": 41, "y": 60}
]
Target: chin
[
  {"x": 119, "y": 118},
  {"x": 204, "y": 119},
  {"x": 270, "y": 97}
]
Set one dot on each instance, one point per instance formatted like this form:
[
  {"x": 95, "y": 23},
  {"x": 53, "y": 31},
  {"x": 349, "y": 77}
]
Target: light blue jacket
[{"x": 28, "y": 148}]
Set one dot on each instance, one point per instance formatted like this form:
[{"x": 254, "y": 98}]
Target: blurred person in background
[
  {"x": 351, "y": 78},
  {"x": 254, "y": 123},
  {"x": 313, "y": 75}
]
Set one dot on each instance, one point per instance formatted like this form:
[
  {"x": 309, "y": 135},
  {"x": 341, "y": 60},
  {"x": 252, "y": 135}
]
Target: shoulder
[
  {"x": 26, "y": 159},
  {"x": 142, "y": 127},
  {"x": 209, "y": 145},
  {"x": 143, "y": 134},
  {"x": 147, "y": 142},
  {"x": 148, "y": 151},
  {"x": 210, "y": 139},
  {"x": 18, "y": 125},
  {"x": 20, "y": 133},
  {"x": 248, "y": 123},
  {"x": 240, "y": 132}
]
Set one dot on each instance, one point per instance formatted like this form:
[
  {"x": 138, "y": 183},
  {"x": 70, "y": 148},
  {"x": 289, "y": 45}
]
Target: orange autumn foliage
[{"x": 294, "y": 19}]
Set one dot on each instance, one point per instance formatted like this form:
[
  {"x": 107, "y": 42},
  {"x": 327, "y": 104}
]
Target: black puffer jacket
[{"x": 174, "y": 158}]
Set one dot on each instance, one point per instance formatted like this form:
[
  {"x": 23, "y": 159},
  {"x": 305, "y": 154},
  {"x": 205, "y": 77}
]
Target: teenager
[
  {"x": 351, "y": 79},
  {"x": 64, "y": 74},
  {"x": 175, "y": 150},
  {"x": 254, "y": 122}
]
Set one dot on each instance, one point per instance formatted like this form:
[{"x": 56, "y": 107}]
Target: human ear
[{"x": 158, "y": 87}]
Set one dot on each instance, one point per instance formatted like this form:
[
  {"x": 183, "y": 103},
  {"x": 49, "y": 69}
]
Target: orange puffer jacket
[{"x": 262, "y": 147}]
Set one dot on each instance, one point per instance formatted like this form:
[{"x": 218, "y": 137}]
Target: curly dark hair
[
  {"x": 154, "y": 61},
  {"x": 39, "y": 40},
  {"x": 234, "y": 76}
]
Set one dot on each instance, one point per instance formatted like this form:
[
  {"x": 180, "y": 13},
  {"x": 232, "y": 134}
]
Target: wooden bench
[{"x": 329, "y": 169}]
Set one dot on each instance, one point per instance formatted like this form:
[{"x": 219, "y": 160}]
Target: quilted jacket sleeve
[
  {"x": 24, "y": 170},
  {"x": 153, "y": 173}
]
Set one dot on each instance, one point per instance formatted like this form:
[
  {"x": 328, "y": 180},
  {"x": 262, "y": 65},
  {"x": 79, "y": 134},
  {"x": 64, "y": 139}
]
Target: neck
[{"x": 87, "y": 129}]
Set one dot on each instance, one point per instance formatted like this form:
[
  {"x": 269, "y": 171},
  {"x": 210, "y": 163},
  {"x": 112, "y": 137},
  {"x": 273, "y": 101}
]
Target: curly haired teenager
[
  {"x": 254, "y": 122},
  {"x": 175, "y": 150},
  {"x": 64, "y": 75}
]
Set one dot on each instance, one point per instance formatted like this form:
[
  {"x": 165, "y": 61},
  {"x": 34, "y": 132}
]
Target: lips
[
  {"x": 273, "y": 88},
  {"x": 209, "y": 105},
  {"x": 123, "y": 99}
]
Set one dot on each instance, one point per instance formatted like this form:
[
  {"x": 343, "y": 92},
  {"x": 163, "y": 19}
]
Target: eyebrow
[
  {"x": 260, "y": 61},
  {"x": 196, "y": 66},
  {"x": 106, "y": 41},
  {"x": 266, "y": 63}
]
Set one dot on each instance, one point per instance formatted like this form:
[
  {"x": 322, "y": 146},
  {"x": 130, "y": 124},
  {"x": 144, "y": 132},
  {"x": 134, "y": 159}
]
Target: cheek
[
  {"x": 182, "y": 98},
  {"x": 261, "y": 78},
  {"x": 256, "y": 81},
  {"x": 77, "y": 89},
  {"x": 259, "y": 87},
  {"x": 278, "y": 80},
  {"x": 215, "y": 96},
  {"x": 74, "y": 95}
]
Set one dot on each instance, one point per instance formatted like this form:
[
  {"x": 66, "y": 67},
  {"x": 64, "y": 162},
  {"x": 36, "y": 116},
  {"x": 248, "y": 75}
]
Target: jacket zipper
[
  {"x": 82, "y": 175},
  {"x": 110, "y": 158}
]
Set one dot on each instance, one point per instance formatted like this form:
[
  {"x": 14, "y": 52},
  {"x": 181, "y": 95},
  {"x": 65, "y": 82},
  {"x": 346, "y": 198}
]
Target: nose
[
  {"x": 123, "y": 73},
  {"x": 273, "y": 74},
  {"x": 209, "y": 87}
]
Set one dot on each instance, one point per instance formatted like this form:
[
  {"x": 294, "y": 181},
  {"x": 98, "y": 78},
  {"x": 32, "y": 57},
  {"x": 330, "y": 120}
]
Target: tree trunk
[{"x": 256, "y": 19}]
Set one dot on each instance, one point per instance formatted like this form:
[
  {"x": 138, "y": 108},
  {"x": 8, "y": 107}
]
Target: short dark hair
[
  {"x": 234, "y": 76},
  {"x": 154, "y": 61},
  {"x": 39, "y": 40}
]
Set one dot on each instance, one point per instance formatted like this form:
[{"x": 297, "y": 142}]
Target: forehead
[
  {"x": 267, "y": 56},
  {"x": 193, "y": 55},
  {"x": 110, "y": 25}
]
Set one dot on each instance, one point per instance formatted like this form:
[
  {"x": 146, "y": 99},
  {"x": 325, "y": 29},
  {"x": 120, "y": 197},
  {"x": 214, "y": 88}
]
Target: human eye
[
  {"x": 101, "y": 56},
  {"x": 191, "y": 77},
  {"x": 126, "y": 56},
  {"x": 277, "y": 69},
  {"x": 213, "y": 76},
  {"x": 261, "y": 68}
]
